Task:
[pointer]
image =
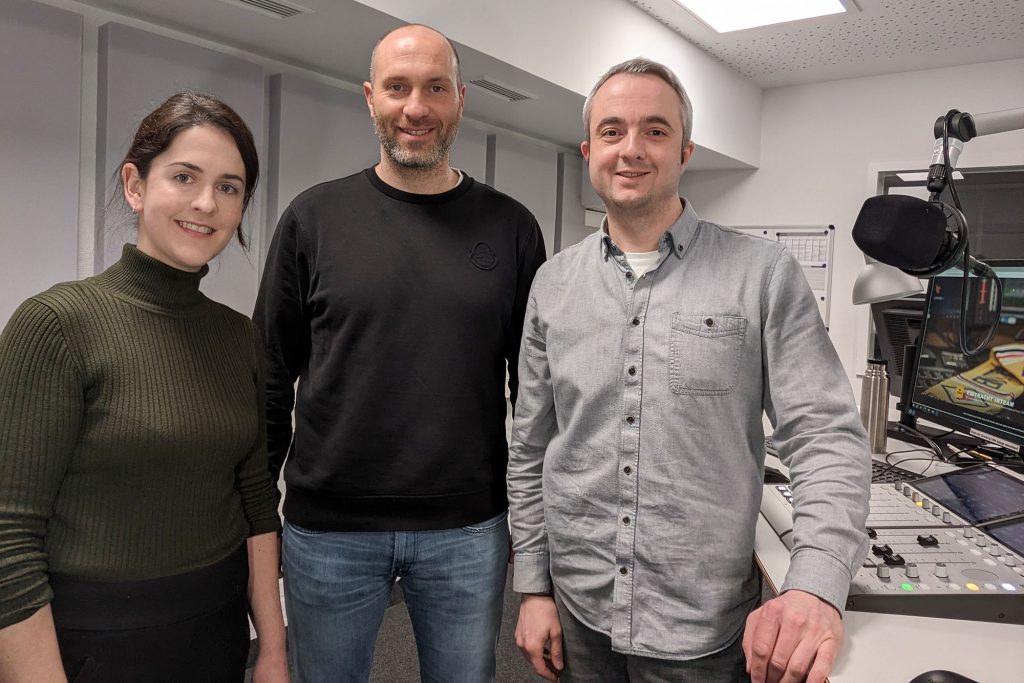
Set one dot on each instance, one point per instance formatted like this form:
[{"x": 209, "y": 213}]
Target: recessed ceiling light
[{"x": 735, "y": 15}]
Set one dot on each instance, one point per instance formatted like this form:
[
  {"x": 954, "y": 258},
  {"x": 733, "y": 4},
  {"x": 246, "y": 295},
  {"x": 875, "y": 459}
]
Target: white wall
[
  {"x": 469, "y": 153},
  {"x": 823, "y": 145},
  {"x": 529, "y": 172},
  {"x": 573, "y": 181},
  {"x": 77, "y": 79},
  {"x": 572, "y": 42},
  {"x": 40, "y": 127},
  {"x": 319, "y": 132},
  {"x": 137, "y": 71},
  {"x": 322, "y": 133},
  {"x": 820, "y": 144}
]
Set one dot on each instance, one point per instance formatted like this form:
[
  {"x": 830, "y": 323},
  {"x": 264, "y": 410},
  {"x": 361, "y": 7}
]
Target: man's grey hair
[
  {"x": 455, "y": 53},
  {"x": 642, "y": 65}
]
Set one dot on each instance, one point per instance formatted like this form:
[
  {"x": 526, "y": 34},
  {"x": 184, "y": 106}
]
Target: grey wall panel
[
  {"x": 588, "y": 197},
  {"x": 40, "y": 147},
  {"x": 137, "y": 71},
  {"x": 319, "y": 132},
  {"x": 469, "y": 153},
  {"x": 322, "y": 132},
  {"x": 528, "y": 171},
  {"x": 573, "y": 229}
]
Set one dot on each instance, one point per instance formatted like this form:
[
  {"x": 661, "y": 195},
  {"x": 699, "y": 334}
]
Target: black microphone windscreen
[{"x": 901, "y": 231}]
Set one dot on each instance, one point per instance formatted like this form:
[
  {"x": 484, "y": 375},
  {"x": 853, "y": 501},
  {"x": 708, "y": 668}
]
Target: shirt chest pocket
[{"x": 704, "y": 352}]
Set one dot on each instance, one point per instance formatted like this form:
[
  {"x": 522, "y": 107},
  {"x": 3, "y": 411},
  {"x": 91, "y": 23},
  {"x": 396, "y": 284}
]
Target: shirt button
[
  {"x": 625, "y": 520},
  {"x": 630, "y": 419},
  {"x": 636, "y": 321},
  {"x": 710, "y": 322},
  {"x": 632, "y": 370},
  {"x": 629, "y": 275},
  {"x": 627, "y": 469},
  {"x": 623, "y": 571}
]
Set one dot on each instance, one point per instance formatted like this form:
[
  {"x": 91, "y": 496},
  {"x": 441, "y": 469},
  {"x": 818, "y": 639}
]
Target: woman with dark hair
[{"x": 138, "y": 520}]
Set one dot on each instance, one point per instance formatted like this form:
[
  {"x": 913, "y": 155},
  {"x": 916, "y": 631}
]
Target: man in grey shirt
[{"x": 650, "y": 352}]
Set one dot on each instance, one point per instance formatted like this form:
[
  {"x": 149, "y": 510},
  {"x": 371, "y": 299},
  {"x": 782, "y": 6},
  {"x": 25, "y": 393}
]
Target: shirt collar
[{"x": 677, "y": 238}]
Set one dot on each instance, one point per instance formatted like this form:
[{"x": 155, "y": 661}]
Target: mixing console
[{"x": 925, "y": 558}]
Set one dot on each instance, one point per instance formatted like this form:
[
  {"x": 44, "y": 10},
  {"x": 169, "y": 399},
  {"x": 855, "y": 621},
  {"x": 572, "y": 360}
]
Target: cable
[
  {"x": 905, "y": 450},
  {"x": 975, "y": 456},
  {"x": 880, "y": 473},
  {"x": 936, "y": 448},
  {"x": 962, "y": 229},
  {"x": 943, "y": 437},
  {"x": 931, "y": 461},
  {"x": 945, "y": 160},
  {"x": 999, "y": 454}
]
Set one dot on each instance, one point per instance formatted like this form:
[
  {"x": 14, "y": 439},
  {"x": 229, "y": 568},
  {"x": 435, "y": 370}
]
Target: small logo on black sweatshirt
[{"x": 483, "y": 256}]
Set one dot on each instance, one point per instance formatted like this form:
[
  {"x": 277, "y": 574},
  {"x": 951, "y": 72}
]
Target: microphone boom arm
[
  {"x": 951, "y": 132},
  {"x": 966, "y": 127},
  {"x": 957, "y": 127}
]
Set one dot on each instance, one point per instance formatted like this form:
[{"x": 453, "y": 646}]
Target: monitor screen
[
  {"x": 981, "y": 395},
  {"x": 1010, "y": 534},
  {"x": 979, "y": 495}
]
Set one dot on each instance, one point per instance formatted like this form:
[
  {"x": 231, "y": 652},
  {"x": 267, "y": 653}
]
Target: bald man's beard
[{"x": 421, "y": 158}]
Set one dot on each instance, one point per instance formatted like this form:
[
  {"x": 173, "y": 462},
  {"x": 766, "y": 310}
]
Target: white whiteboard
[{"x": 812, "y": 246}]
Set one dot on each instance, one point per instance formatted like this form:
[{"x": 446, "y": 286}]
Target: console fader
[{"x": 924, "y": 559}]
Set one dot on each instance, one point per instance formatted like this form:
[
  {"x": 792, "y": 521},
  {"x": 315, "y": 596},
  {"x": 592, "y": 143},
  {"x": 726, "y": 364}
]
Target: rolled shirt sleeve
[
  {"x": 532, "y": 428},
  {"x": 819, "y": 437}
]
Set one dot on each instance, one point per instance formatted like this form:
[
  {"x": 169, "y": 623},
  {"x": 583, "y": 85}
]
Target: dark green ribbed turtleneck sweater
[{"x": 132, "y": 440}]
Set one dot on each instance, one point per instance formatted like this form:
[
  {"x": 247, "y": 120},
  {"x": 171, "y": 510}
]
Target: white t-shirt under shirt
[{"x": 642, "y": 261}]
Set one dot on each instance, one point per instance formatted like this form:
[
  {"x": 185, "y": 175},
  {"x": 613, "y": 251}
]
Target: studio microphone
[
  {"x": 908, "y": 233},
  {"x": 923, "y": 238}
]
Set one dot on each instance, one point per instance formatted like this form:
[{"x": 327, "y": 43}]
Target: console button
[{"x": 895, "y": 560}]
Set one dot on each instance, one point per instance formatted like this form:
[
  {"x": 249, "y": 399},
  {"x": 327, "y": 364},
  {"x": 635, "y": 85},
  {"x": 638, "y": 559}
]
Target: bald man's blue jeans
[{"x": 337, "y": 586}]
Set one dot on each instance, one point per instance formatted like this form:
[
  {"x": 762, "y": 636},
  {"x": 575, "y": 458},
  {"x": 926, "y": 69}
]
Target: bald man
[{"x": 396, "y": 297}]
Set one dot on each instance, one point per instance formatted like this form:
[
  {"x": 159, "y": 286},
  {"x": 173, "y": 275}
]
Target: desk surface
[{"x": 888, "y": 647}]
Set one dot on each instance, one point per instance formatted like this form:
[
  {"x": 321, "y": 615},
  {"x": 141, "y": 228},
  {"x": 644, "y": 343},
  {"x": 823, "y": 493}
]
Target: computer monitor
[
  {"x": 897, "y": 325},
  {"x": 981, "y": 395}
]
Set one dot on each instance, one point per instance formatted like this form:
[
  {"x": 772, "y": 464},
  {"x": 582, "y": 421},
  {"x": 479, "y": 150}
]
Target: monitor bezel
[
  {"x": 933, "y": 488},
  {"x": 952, "y": 420},
  {"x": 906, "y": 309}
]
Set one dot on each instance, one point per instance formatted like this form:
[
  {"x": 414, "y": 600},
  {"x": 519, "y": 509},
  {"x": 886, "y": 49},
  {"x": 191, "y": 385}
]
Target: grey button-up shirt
[{"x": 636, "y": 465}]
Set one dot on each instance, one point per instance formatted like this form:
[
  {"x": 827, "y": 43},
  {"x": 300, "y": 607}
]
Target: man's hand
[
  {"x": 793, "y": 637},
  {"x": 539, "y": 635},
  {"x": 271, "y": 668}
]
